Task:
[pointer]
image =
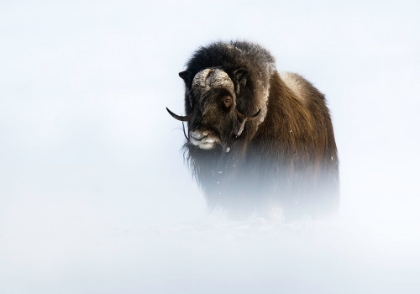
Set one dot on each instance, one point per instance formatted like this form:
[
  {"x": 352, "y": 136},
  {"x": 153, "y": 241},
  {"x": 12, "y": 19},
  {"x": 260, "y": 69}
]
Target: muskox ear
[
  {"x": 185, "y": 75},
  {"x": 241, "y": 76}
]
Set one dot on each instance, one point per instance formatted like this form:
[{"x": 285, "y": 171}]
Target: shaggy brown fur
[{"x": 285, "y": 156}]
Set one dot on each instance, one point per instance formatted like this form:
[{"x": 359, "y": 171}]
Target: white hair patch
[
  {"x": 211, "y": 78},
  {"x": 294, "y": 83}
]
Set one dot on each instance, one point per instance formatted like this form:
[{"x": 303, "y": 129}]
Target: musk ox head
[{"x": 212, "y": 102}]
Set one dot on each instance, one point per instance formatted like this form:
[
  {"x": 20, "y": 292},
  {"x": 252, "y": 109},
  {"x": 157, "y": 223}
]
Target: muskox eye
[{"x": 227, "y": 101}]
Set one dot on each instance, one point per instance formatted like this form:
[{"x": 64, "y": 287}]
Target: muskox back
[{"x": 258, "y": 139}]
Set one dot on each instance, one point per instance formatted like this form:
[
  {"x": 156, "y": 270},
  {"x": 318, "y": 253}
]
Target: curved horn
[
  {"x": 254, "y": 115},
  {"x": 244, "y": 119},
  {"x": 178, "y": 117},
  {"x": 243, "y": 116}
]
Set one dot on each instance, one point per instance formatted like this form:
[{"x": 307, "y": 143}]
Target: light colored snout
[
  {"x": 203, "y": 139},
  {"x": 198, "y": 135}
]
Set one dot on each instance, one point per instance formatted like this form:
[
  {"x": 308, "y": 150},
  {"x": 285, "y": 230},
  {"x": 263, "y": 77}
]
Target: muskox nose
[{"x": 198, "y": 135}]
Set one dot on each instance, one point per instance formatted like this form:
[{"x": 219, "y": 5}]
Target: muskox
[{"x": 257, "y": 138}]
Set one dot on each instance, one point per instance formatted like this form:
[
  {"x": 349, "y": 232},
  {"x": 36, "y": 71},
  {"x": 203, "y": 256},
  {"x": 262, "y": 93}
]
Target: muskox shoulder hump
[{"x": 297, "y": 85}]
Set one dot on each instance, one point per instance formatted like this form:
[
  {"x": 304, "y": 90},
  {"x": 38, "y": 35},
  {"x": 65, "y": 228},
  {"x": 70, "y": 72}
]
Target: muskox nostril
[
  {"x": 199, "y": 135},
  {"x": 196, "y": 135}
]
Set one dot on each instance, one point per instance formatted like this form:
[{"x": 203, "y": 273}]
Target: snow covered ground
[{"x": 94, "y": 195}]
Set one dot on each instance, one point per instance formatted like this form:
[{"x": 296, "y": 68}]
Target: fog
[{"x": 94, "y": 194}]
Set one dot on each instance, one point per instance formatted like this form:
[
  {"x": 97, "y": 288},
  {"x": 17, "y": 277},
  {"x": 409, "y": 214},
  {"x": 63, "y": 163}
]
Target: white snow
[{"x": 94, "y": 195}]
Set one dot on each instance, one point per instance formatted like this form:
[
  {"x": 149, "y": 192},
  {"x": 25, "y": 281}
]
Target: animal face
[{"x": 214, "y": 119}]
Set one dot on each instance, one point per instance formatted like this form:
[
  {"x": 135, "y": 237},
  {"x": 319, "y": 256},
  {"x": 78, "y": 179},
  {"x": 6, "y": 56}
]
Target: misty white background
[{"x": 94, "y": 195}]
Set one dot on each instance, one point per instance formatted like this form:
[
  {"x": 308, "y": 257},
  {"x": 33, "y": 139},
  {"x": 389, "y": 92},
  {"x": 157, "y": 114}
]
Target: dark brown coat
[{"x": 257, "y": 138}]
